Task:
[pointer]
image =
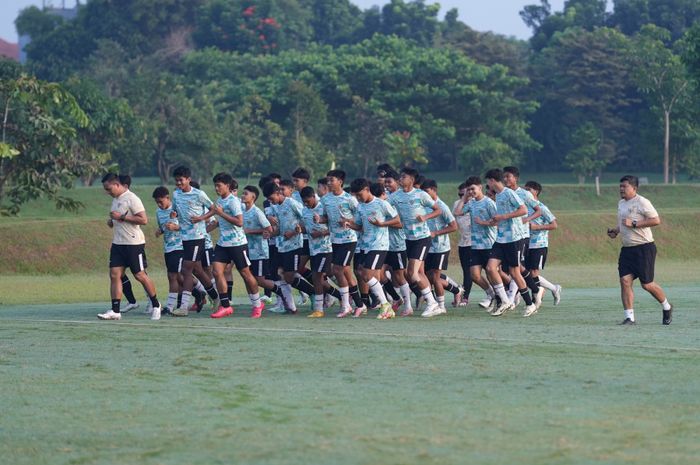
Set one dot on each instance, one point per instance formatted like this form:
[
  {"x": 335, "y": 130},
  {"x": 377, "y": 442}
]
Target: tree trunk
[
  {"x": 667, "y": 143},
  {"x": 674, "y": 168}
]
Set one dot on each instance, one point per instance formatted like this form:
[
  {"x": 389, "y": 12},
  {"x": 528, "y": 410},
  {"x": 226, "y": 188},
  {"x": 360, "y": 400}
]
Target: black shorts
[
  {"x": 305, "y": 248},
  {"x": 260, "y": 268},
  {"x": 290, "y": 260},
  {"x": 274, "y": 262},
  {"x": 638, "y": 261},
  {"x": 437, "y": 261},
  {"x": 479, "y": 257},
  {"x": 343, "y": 253},
  {"x": 207, "y": 257},
  {"x": 418, "y": 249},
  {"x": 536, "y": 259},
  {"x": 524, "y": 250},
  {"x": 128, "y": 256},
  {"x": 397, "y": 260},
  {"x": 173, "y": 261},
  {"x": 374, "y": 259},
  {"x": 509, "y": 253},
  {"x": 193, "y": 250},
  {"x": 321, "y": 263},
  {"x": 238, "y": 255},
  {"x": 358, "y": 259}
]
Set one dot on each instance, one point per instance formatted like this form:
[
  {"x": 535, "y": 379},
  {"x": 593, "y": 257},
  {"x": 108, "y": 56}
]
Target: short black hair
[
  {"x": 462, "y": 186},
  {"x": 376, "y": 189},
  {"x": 340, "y": 174},
  {"x": 393, "y": 174},
  {"x": 253, "y": 190},
  {"x": 160, "y": 192},
  {"x": 410, "y": 171},
  {"x": 323, "y": 181},
  {"x": 419, "y": 180},
  {"x": 307, "y": 192},
  {"x": 125, "y": 179},
  {"x": 194, "y": 184},
  {"x": 472, "y": 181},
  {"x": 270, "y": 188},
  {"x": 512, "y": 170},
  {"x": 631, "y": 179},
  {"x": 224, "y": 178},
  {"x": 429, "y": 184},
  {"x": 358, "y": 184},
  {"x": 535, "y": 186},
  {"x": 287, "y": 183},
  {"x": 274, "y": 176},
  {"x": 264, "y": 180},
  {"x": 383, "y": 169},
  {"x": 182, "y": 172},
  {"x": 495, "y": 174},
  {"x": 301, "y": 173},
  {"x": 111, "y": 178}
]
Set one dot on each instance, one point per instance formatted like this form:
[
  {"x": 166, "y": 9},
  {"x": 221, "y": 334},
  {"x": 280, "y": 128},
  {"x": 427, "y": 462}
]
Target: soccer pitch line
[{"x": 379, "y": 334}]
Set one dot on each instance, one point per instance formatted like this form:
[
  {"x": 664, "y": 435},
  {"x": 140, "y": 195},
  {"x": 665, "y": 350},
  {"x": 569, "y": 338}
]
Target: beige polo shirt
[
  {"x": 126, "y": 233},
  {"x": 637, "y": 208}
]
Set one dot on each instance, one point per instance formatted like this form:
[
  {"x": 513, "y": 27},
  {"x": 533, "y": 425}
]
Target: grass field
[{"x": 568, "y": 386}]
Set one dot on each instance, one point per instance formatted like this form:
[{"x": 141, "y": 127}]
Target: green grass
[{"x": 567, "y": 386}]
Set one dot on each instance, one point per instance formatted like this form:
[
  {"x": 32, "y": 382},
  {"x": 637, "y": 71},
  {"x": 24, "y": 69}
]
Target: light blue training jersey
[
  {"x": 374, "y": 237},
  {"x": 409, "y": 205},
  {"x": 441, "y": 243},
  {"x": 483, "y": 237},
  {"x": 187, "y": 205},
  {"x": 540, "y": 239},
  {"x": 258, "y": 248},
  {"x": 289, "y": 216},
  {"x": 530, "y": 202},
  {"x": 335, "y": 208},
  {"x": 172, "y": 240},
  {"x": 230, "y": 235},
  {"x": 513, "y": 229},
  {"x": 320, "y": 244}
]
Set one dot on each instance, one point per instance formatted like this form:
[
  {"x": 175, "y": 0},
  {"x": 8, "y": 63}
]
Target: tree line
[{"x": 255, "y": 85}]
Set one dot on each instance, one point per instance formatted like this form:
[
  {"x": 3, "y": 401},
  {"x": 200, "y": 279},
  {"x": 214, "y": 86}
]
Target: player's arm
[
  {"x": 452, "y": 226},
  {"x": 139, "y": 218},
  {"x": 536, "y": 212},
  {"x": 520, "y": 211},
  {"x": 551, "y": 226},
  {"x": 434, "y": 214},
  {"x": 458, "y": 209},
  {"x": 645, "y": 223}
]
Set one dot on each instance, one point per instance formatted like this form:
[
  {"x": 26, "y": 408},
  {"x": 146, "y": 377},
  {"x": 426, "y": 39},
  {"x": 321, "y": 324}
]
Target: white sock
[
  {"x": 428, "y": 296},
  {"x": 287, "y": 293},
  {"x": 441, "y": 301},
  {"x": 501, "y": 292},
  {"x": 451, "y": 281},
  {"x": 490, "y": 292},
  {"x": 172, "y": 300},
  {"x": 344, "y": 297},
  {"x": 375, "y": 288},
  {"x": 513, "y": 286},
  {"x": 254, "y": 299},
  {"x": 199, "y": 287},
  {"x": 406, "y": 294},
  {"x": 629, "y": 314},
  {"x": 665, "y": 305},
  {"x": 213, "y": 282},
  {"x": 186, "y": 299},
  {"x": 318, "y": 302},
  {"x": 546, "y": 284}
]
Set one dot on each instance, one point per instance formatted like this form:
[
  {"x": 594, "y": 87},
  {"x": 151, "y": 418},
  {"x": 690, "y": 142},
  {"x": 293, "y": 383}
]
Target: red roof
[{"x": 9, "y": 50}]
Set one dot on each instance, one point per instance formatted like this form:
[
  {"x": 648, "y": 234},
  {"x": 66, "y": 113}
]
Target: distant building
[
  {"x": 9, "y": 50},
  {"x": 66, "y": 13}
]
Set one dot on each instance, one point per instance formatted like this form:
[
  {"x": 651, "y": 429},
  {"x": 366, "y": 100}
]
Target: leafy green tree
[
  {"x": 585, "y": 157},
  {"x": 584, "y": 14},
  {"x": 368, "y": 126},
  {"x": 676, "y": 16},
  {"x": 334, "y": 22},
  {"x": 405, "y": 149}
]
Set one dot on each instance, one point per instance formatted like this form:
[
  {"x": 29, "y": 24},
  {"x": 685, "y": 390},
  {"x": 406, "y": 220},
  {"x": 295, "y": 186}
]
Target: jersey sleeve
[
  {"x": 262, "y": 219},
  {"x": 204, "y": 199},
  {"x": 136, "y": 206},
  {"x": 514, "y": 200},
  {"x": 297, "y": 209},
  {"x": 648, "y": 209},
  {"x": 426, "y": 200},
  {"x": 389, "y": 211}
]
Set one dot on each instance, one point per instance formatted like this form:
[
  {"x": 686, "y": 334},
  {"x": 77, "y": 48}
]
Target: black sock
[
  {"x": 268, "y": 292},
  {"x": 451, "y": 288},
  {"x": 276, "y": 289},
  {"x": 333, "y": 292},
  {"x": 390, "y": 291},
  {"x": 530, "y": 281},
  {"x": 154, "y": 301},
  {"x": 127, "y": 290},
  {"x": 229, "y": 289},
  {"x": 356, "y": 297},
  {"x": 225, "y": 302},
  {"x": 415, "y": 290},
  {"x": 212, "y": 292},
  {"x": 303, "y": 286},
  {"x": 179, "y": 299},
  {"x": 526, "y": 296},
  {"x": 467, "y": 287},
  {"x": 365, "y": 299},
  {"x": 308, "y": 275},
  {"x": 536, "y": 289},
  {"x": 115, "y": 305}
]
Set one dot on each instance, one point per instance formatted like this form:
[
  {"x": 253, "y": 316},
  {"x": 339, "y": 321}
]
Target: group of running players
[{"x": 372, "y": 245}]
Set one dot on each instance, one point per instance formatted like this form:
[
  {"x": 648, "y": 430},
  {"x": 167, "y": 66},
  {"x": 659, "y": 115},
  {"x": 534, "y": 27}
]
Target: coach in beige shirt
[{"x": 635, "y": 218}]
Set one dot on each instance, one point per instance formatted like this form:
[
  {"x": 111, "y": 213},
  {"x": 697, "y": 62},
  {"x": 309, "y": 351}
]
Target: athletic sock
[
  {"x": 356, "y": 297},
  {"x": 376, "y": 288},
  {"x": 154, "y": 301},
  {"x": 536, "y": 289},
  {"x": 186, "y": 299},
  {"x": 665, "y": 305},
  {"x": 127, "y": 290},
  {"x": 254, "y": 299},
  {"x": 172, "y": 300},
  {"x": 200, "y": 287},
  {"x": 179, "y": 299},
  {"x": 441, "y": 301},
  {"x": 525, "y": 294},
  {"x": 629, "y": 314},
  {"x": 302, "y": 285},
  {"x": 229, "y": 289},
  {"x": 427, "y": 294},
  {"x": 449, "y": 280},
  {"x": 211, "y": 291},
  {"x": 333, "y": 292},
  {"x": 307, "y": 274},
  {"x": 116, "y": 303},
  {"x": 365, "y": 300},
  {"x": 530, "y": 281},
  {"x": 406, "y": 293},
  {"x": 452, "y": 288},
  {"x": 415, "y": 289},
  {"x": 276, "y": 289},
  {"x": 500, "y": 292},
  {"x": 490, "y": 292},
  {"x": 344, "y": 297},
  {"x": 546, "y": 284},
  {"x": 225, "y": 302},
  {"x": 318, "y": 302},
  {"x": 391, "y": 291}
]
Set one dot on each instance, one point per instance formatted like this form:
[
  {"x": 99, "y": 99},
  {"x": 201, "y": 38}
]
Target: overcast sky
[{"x": 500, "y": 16}]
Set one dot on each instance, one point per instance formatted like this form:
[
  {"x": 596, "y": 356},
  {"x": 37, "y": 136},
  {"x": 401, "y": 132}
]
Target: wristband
[
  {"x": 634, "y": 223},
  {"x": 123, "y": 217}
]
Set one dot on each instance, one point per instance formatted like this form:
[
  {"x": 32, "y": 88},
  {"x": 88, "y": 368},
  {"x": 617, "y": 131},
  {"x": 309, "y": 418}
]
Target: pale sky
[{"x": 500, "y": 16}]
